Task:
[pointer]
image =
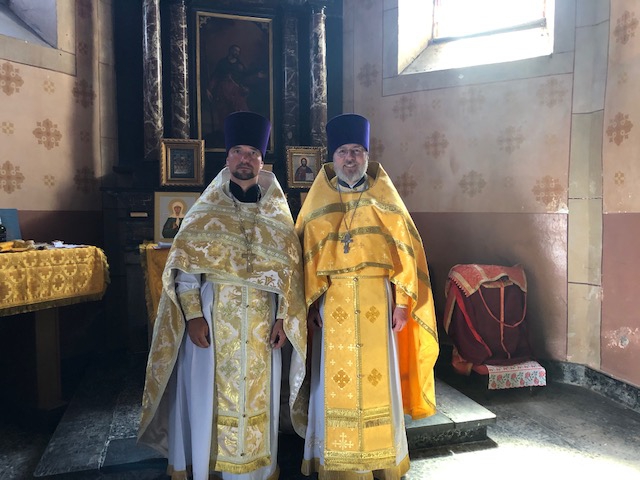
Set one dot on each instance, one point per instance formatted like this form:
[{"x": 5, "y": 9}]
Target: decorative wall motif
[
  {"x": 7, "y": 128},
  {"x": 368, "y": 75},
  {"x": 552, "y": 93},
  {"x": 623, "y": 78},
  {"x": 48, "y": 86},
  {"x": 549, "y": 192},
  {"x": 10, "y": 177},
  {"x": 510, "y": 139},
  {"x": 10, "y": 79},
  {"x": 436, "y": 144},
  {"x": 49, "y": 181},
  {"x": 472, "y": 183},
  {"x": 83, "y": 48},
  {"x": 626, "y": 27},
  {"x": 55, "y": 126},
  {"x": 47, "y": 134},
  {"x": 619, "y": 128},
  {"x": 621, "y": 111},
  {"x": 84, "y": 93},
  {"x": 404, "y": 108},
  {"x": 405, "y": 184}
]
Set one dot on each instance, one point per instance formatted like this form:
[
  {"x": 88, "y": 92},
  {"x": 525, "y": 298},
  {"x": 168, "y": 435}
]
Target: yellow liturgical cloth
[
  {"x": 385, "y": 243},
  {"x": 38, "y": 279},
  {"x": 153, "y": 261}
]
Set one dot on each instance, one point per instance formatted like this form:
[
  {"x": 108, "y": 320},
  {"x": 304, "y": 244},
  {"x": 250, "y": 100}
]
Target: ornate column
[
  {"x": 180, "y": 125},
  {"x": 318, "y": 76},
  {"x": 291, "y": 100},
  {"x": 151, "y": 78}
]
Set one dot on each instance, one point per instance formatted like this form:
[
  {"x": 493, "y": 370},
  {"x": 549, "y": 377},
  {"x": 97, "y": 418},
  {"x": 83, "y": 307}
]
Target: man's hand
[
  {"x": 278, "y": 336},
  {"x": 198, "y": 330},
  {"x": 399, "y": 319},
  {"x": 314, "y": 320}
]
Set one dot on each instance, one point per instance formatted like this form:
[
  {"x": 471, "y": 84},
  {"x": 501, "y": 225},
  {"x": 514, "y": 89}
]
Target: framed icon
[
  {"x": 303, "y": 164},
  {"x": 169, "y": 211},
  {"x": 181, "y": 162}
]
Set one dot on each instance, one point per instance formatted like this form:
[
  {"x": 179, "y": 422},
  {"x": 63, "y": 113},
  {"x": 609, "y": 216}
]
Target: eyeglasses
[{"x": 346, "y": 152}]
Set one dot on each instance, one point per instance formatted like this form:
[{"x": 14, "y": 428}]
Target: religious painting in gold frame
[
  {"x": 181, "y": 162},
  {"x": 234, "y": 72},
  {"x": 303, "y": 164},
  {"x": 169, "y": 210}
]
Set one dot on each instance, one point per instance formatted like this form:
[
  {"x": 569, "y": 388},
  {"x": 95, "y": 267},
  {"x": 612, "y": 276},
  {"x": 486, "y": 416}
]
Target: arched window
[
  {"x": 469, "y": 32},
  {"x": 462, "y": 38},
  {"x": 39, "y": 33},
  {"x": 34, "y": 21},
  {"x": 456, "y": 19}
]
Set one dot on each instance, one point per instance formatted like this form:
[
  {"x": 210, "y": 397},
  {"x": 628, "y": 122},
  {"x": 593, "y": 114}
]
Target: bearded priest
[
  {"x": 232, "y": 296},
  {"x": 371, "y": 315}
]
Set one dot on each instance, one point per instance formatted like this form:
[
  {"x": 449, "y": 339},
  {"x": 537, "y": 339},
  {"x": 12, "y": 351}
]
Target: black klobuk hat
[
  {"x": 347, "y": 128},
  {"x": 246, "y": 128}
]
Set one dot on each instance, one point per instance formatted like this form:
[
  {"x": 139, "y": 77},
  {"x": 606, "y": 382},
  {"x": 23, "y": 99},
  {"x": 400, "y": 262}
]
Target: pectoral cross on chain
[
  {"x": 249, "y": 257},
  {"x": 346, "y": 240}
]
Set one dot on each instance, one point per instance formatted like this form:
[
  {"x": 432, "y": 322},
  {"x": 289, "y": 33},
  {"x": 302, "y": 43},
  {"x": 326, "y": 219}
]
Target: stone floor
[{"x": 540, "y": 433}]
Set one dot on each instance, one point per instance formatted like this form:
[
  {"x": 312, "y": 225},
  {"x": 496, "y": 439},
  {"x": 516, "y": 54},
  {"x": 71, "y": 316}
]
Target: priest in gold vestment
[
  {"x": 232, "y": 295},
  {"x": 368, "y": 291}
]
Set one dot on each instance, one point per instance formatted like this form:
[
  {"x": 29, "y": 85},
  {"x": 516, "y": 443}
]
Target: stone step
[
  {"x": 458, "y": 419},
  {"x": 98, "y": 430}
]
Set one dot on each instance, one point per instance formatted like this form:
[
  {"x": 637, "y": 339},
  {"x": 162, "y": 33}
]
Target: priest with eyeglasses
[
  {"x": 232, "y": 296},
  {"x": 371, "y": 315}
]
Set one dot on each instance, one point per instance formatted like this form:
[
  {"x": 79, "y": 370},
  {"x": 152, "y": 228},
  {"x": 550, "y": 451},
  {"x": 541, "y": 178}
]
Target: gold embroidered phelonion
[
  {"x": 248, "y": 255},
  {"x": 346, "y": 238}
]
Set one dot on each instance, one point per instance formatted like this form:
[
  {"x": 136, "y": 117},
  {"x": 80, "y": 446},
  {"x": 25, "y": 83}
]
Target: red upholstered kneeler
[{"x": 485, "y": 319}]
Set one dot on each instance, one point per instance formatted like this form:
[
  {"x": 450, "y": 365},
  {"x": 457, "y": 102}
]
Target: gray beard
[{"x": 351, "y": 179}]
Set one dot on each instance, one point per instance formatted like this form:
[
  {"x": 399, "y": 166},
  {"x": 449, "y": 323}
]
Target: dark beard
[{"x": 243, "y": 174}]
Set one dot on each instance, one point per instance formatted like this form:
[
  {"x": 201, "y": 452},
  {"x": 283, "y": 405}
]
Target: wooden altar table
[{"x": 40, "y": 281}]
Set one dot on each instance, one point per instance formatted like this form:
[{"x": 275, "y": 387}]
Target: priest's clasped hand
[
  {"x": 313, "y": 318},
  {"x": 399, "y": 319},
  {"x": 198, "y": 330},
  {"x": 278, "y": 336}
]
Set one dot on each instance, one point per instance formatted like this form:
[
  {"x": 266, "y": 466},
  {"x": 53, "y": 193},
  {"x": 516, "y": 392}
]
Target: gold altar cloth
[
  {"x": 38, "y": 279},
  {"x": 152, "y": 261}
]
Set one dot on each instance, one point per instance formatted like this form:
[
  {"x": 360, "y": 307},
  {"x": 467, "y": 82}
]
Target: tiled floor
[{"x": 546, "y": 433}]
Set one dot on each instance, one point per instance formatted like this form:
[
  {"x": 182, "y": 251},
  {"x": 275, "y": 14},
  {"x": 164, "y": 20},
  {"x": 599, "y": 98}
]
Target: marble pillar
[
  {"x": 291, "y": 91},
  {"x": 180, "y": 126},
  {"x": 151, "y": 78},
  {"x": 318, "y": 109}
]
